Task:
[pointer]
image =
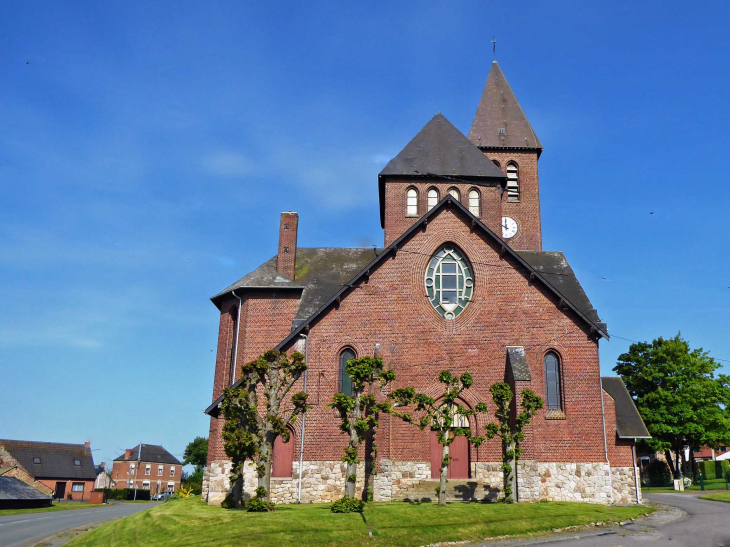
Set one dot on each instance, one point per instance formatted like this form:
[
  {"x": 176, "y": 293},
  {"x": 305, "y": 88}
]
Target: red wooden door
[
  {"x": 459, "y": 451},
  {"x": 283, "y": 457}
]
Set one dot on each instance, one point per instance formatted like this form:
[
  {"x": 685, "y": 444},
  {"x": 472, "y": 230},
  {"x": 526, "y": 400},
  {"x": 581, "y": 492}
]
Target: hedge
[{"x": 714, "y": 469}]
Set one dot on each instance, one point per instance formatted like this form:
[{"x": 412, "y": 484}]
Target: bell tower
[{"x": 501, "y": 131}]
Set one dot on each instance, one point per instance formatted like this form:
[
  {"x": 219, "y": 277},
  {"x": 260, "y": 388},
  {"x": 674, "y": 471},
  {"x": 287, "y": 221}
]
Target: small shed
[{"x": 15, "y": 494}]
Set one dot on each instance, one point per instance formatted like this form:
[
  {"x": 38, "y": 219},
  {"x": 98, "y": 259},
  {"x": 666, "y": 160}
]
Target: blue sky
[{"x": 147, "y": 149}]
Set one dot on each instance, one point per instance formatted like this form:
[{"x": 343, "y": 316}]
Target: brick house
[
  {"x": 147, "y": 467},
  {"x": 462, "y": 283},
  {"x": 57, "y": 469}
]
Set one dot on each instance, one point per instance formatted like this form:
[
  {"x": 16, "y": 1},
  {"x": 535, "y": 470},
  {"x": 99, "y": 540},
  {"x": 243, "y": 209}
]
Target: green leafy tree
[
  {"x": 196, "y": 453},
  {"x": 680, "y": 398},
  {"x": 252, "y": 425},
  {"x": 359, "y": 415},
  {"x": 440, "y": 416},
  {"x": 511, "y": 433}
]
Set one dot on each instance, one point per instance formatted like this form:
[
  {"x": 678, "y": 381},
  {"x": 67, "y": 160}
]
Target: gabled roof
[
  {"x": 450, "y": 201},
  {"x": 152, "y": 453},
  {"x": 440, "y": 150},
  {"x": 629, "y": 424},
  {"x": 56, "y": 459},
  {"x": 15, "y": 489},
  {"x": 500, "y": 121}
]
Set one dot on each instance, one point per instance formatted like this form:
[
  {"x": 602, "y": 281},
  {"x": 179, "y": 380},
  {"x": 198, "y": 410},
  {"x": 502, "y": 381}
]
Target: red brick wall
[
  {"x": 619, "y": 450},
  {"x": 266, "y": 319},
  {"x": 392, "y": 310},
  {"x": 526, "y": 212},
  {"x": 88, "y": 487},
  {"x": 20, "y": 473},
  {"x": 397, "y": 222},
  {"x": 121, "y": 474}
]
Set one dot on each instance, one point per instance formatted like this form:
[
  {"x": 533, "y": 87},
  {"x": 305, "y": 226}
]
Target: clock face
[{"x": 509, "y": 227}]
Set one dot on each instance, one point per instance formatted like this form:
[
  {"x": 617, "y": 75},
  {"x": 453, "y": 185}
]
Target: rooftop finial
[{"x": 494, "y": 47}]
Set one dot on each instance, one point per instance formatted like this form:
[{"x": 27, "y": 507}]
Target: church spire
[{"x": 500, "y": 121}]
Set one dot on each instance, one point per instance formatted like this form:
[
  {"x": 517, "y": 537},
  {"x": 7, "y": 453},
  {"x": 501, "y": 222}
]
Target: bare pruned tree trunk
[
  {"x": 265, "y": 469},
  {"x": 354, "y": 448},
  {"x": 511, "y": 478},
  {"x": 444, "y": 474}
]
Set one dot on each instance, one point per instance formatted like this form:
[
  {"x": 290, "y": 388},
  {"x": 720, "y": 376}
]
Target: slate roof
[
  {"x": 518, "y": 363},
  {"x": 152, "y": 453},
  {"x": 57, "y": 459},
  {"x": 555, "y": 268},
  {"x": 319, "y": 273},
  {"x": 332, "y": 279},
  {"x": 440, "y": 150},
  {"x": 499, "y": 109},
  {"x": 15, "y": 489},
  {"x": 629, "y": 424}
]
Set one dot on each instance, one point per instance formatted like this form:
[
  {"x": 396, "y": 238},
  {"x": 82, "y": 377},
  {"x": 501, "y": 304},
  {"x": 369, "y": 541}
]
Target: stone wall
[
  {"x": 624, "y": 485},
  {"x": 324, "y": 482}
]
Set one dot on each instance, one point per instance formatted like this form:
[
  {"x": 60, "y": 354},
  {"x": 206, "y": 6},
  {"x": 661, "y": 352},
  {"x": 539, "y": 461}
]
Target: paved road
[
  {"x": 21, "y": 530},
  {"x": 706, "y": 524}
]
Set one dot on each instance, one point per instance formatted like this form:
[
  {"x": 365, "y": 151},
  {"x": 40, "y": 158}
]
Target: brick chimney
[
  {"x": 87, "y": 444},
  {"x": 103, "y": 465},
  {"x": 127, "y": 453},
  {"x": 287, "y": 257}
]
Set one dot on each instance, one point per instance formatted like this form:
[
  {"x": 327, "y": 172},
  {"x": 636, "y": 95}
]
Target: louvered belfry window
[
  {"x": 433, "y": 198},
  {"x": 513, "y": 182},
  {"x": 412, "y": 203},
  {"x": 474, "y": 205},
  {"x": 552, "y": 382}
]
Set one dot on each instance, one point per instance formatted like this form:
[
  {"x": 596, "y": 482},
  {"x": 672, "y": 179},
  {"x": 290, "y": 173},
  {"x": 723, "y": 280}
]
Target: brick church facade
[{"x": 462, "y": 283}]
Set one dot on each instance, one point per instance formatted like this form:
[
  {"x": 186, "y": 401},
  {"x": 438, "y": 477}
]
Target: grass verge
[
  {"x": 54, "y": 507},
  {"x": 722, "y": 496},
  {"x": 192, "y": 522}
]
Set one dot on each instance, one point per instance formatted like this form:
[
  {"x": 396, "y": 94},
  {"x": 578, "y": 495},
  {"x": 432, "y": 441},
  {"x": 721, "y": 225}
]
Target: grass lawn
[
  {"x": 54, "y": 507},
  {"x": 192, "y": 522},
  {"x": 722, "y": 496},
  {"x": 714, "y": 484}
]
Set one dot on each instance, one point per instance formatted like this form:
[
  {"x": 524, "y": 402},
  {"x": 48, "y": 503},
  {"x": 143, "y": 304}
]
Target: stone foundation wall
[
  {"x": 324, "y": 482},
  {"x": 624, "y": 485}
]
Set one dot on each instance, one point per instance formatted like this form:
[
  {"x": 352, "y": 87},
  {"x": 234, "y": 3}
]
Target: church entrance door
[{"x": 459, "y": 451}]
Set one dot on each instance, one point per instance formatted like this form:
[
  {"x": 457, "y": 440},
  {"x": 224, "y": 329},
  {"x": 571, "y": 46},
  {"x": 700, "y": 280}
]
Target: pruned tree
[
  {"x": 511, "y": 433},
  {"x": 681, "y": 400},
  {"x": 251, "y": 425},
  {"x": 440, "y": 416},
  {"x": 360, "y": 413}
]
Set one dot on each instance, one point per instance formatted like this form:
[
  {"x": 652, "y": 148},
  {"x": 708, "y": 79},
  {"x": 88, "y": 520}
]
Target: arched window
[
  {"x": 234, "y": 334},
  {"x": 455, "y": 192},
  {"x": 412, "y": 202},
  {"x": 474, "y": 205},
  {"x": 449, "y": 281},
  {"x": 345, "y": 381},
  {"x": 495, "y": 162},
  {"x": 552, "y": 382},
  {"x": 513, "y": 182},
  {"x": 433, "y": 198}
]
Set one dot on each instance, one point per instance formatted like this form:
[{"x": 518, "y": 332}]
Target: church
[{"x": 462, "y": 283}]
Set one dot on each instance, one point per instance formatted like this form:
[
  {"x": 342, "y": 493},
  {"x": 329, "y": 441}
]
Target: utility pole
[{"x": 136, "y": 471}]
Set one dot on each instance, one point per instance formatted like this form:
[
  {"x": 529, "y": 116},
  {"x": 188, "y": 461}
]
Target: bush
[
  {"x": 228, "y": 502},
  {"x": 348, "y": 505},
  {"x": 710, "y": 469},
  {"x": 259, "y": 505}
]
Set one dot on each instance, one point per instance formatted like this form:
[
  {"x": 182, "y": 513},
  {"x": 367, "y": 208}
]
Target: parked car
[{"x": 161, "y": 496}]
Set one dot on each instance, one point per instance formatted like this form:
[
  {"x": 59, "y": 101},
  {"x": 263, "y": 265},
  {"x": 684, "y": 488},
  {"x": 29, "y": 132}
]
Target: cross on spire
[{"x": 494, "y": 47}]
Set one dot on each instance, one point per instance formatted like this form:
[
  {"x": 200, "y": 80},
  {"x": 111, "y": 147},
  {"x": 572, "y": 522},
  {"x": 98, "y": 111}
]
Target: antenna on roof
[{"x": 494, "y": 47}]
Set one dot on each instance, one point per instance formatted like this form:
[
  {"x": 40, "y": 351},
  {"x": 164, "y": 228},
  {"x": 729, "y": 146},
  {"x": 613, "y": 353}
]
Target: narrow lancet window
[
  {"x": 412, "y": 202},
  {"x": 474, "y": 205},
  {"x": 513, "y": 182},
  {"x": 552, "y": 382},
  {"x": 433, "y": 198}
]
